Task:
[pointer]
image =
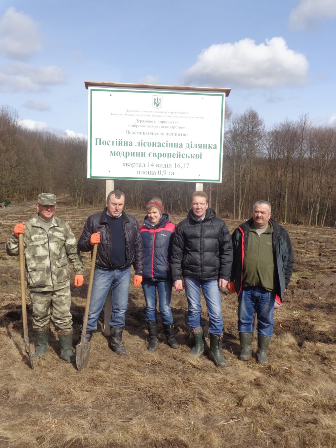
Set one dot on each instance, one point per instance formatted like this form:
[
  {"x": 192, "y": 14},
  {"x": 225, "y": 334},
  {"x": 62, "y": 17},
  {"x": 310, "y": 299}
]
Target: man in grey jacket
[{"x": 48, "y": 243}]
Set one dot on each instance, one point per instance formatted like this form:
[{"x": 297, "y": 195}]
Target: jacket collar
[
  {"x": 248, "y": 224},
  {"x": 162, "y": 222},
  {"x": 103, "y": 218},
  {"x": 35, "y": 221},
  {"x": 209, "y": 214}
]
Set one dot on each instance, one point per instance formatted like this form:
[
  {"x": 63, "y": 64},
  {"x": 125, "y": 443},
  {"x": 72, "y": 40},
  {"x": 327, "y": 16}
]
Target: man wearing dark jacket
[
  {"x": 202, "y": 255},
  {"x": 119, "y": 246},
  {"x": 262, "y": 268}
]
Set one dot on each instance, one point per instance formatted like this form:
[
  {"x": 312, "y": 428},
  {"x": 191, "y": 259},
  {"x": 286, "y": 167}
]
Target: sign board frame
[{"x": 178, "y": 159}]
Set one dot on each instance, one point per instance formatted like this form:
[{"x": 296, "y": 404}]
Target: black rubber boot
[
  {"x": 263, "y": 343},
  {"x": 65, "y": 341},
  {"x": 153, "y": 335},
  {"x": 41, "y": 343},
  {"x": 116, "y": 344},
  {"x": 215, "y": 352},
  {"x": 198, "y": 348},
  {"x": 245, "y": 346},
  {"x": 169, "y": 332}
]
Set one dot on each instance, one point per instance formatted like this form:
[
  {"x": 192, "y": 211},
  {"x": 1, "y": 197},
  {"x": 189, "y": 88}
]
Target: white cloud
[
  {"x": 332, "y": 119},
  {"x": 18, "y": 76},
  {"x": 33, "y": 125},
  {"x": 19, "y": 35},
  {"x": 73, "y": 134},
  {"x": 310, "y": 13},
  {"x": 248, "y": 65},
  {"x": 36, "y": 105}
]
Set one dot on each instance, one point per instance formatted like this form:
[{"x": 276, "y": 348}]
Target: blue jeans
[
  {"x": 256, "y": 299},
  {"x": 118, "y": 280},
  {"x": 164, "y": 289},
  {"x": 212, "y": 297}
]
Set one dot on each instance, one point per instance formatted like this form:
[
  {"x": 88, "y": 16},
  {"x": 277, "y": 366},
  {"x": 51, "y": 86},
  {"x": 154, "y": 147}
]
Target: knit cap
[{"x": 157, "y": 203}]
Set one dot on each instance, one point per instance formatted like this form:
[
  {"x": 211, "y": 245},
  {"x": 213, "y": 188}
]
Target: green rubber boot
[
  {"x": 65, "y": 341},
  {"x": 245, "y": 346},
  {"x": 215, "y": 352},
  {"x": 198, "y": 348},
  {"x": 263, "y": 343},
  {"x": 41, "y": 343}
]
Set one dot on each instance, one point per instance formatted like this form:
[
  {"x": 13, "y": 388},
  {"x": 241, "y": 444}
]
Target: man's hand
[
  {"x": 277, "y": 302},
  {"x": 137, "y": 280},
  {"x": 222, "y": 283},
  {"x": 178, "y": 285},
  {"x": 79, "y": 280},
  {"x": 19, "y": 228},
  {"x": 231, "y": 287},
  {"x": 95, "y": 238}
]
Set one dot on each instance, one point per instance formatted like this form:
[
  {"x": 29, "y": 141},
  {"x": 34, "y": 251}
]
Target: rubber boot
[
  {"x": 245, "y": 346},
  {"x": 65, "y": 341},
  {"x": 263, "y": 343},
  {"x": 116, "y": 344},
  {"x": 41, "y": 343},
  {"x": 198, "y": 348},
  {"x": 215, "y": 352},
  {"x": 169, "y": 332},
  {"x": 153, "y": 335}
]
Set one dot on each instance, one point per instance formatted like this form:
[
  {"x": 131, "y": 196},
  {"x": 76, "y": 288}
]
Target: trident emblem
[{"x": 157, "y": 101}]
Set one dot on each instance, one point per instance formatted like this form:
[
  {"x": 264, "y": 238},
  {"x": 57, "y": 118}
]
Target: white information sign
[{"x": 155, "y": 134}]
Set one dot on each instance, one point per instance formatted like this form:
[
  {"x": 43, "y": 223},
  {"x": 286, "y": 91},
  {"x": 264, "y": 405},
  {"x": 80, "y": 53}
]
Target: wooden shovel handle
[
  {"x": 23, "y": 288},
  {"x": 88, "y": 298}
]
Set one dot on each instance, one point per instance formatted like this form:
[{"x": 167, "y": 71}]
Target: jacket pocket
[
  {"x": 62, "y": 271},
  {"x": 38, "y": 275}
]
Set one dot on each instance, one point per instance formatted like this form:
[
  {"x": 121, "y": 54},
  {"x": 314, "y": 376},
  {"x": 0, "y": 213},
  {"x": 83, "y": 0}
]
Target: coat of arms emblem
[{"x": 157, "y": 101}]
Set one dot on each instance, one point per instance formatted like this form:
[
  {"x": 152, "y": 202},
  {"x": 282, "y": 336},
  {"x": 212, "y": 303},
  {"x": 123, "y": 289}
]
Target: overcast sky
[{"x": 278, "y": 57}]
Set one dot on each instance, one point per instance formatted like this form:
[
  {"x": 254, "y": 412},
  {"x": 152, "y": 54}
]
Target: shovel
[
  {"x": 83, "y": 348},
  {"x": 23, "y": 297}
]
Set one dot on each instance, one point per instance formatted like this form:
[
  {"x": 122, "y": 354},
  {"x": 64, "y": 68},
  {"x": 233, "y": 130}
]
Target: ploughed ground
[{"x": 166, "y": 398}]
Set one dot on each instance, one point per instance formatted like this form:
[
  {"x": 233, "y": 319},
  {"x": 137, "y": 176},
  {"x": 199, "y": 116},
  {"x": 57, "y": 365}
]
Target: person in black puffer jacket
[
  {"x": 202, "y": 256},
  {"x": 119, "y": 247},
  {"x": 157, "y": 232}
]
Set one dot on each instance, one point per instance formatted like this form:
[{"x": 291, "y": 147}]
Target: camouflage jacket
[{"x": 46, "y": 254}]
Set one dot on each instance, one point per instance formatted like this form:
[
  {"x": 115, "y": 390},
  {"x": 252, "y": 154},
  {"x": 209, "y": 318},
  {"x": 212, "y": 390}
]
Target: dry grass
[{"x": 166, "y": 398}]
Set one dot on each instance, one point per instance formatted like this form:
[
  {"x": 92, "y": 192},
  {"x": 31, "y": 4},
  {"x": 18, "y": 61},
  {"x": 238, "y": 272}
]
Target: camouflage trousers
[{"x": 54, "y": 305}]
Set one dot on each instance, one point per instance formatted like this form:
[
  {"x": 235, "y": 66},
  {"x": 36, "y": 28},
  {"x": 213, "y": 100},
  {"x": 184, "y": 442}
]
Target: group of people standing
[{"x": 198, "y": 254}]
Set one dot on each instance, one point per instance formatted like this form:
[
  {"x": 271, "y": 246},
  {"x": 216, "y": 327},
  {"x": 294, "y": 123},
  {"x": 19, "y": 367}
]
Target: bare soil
[{"x": 165, "y": 398}]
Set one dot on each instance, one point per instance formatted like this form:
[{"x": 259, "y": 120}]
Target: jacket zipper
[
  {"x": 51, "y": 275},
  {"x": 152, "y": 268}
]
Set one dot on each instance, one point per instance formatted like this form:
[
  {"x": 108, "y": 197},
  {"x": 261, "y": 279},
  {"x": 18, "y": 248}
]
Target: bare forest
[{"x": 291, "y": 165}]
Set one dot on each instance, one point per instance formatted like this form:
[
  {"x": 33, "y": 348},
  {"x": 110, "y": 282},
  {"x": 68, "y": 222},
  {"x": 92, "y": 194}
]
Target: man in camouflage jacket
[{"x": 48, "y": 243}]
